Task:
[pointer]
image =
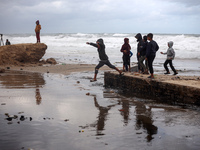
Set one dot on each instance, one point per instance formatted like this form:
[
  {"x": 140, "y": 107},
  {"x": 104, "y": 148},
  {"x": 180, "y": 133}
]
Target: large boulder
[{"x": 22, "y": 53}]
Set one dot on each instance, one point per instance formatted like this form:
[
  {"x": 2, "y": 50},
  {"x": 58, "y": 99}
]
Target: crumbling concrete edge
[{"x": 153, "y": 89}]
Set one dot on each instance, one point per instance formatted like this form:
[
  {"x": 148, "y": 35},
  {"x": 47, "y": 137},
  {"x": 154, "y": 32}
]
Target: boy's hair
[
  {"x": 145, "y": 38},
  {"x": 150, "y": 35}
]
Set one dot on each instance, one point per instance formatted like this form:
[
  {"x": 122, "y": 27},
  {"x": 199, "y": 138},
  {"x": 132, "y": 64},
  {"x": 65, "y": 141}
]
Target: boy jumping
[{"x": 103, "y": 58}]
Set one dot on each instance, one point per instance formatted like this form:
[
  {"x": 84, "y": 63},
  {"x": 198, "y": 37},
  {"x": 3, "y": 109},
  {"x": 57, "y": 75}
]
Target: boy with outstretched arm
[
  {"x": 152, "y": 48},
  {"x": 170, "y": 56},
  {"x": 103, "y": 58}
]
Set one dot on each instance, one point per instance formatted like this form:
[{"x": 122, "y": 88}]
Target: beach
[
  {"x": 57, "y": 107},
  {"x": 48, "y": 107}
]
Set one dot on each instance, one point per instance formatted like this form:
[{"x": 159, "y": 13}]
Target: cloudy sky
[{"x": 100, "y": 16}]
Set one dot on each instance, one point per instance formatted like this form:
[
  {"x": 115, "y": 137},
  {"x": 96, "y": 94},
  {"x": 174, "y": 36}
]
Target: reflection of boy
[
  {"x": 170, "y": 56},
  {"x": 37, "y": 31},
  {"x": 103, "y": 58},
  {"x": 152, "y": 48}
]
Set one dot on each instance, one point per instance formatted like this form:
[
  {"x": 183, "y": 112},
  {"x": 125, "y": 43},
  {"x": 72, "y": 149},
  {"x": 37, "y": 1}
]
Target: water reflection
[
  {"x": 18, "y": 79},
  {"x": 102, "y": 117},
  {"x": 125, "y": 111},
  {"x": 38, "y": 96},
  {"x": 144, "y": 120}
]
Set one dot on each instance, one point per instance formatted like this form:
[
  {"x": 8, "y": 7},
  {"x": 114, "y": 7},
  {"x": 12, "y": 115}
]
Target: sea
[{"x": 72, "y": 48}]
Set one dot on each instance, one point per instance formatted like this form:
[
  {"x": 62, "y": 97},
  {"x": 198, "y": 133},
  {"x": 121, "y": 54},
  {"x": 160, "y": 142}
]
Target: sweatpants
[{"x": 171, "y": 65}]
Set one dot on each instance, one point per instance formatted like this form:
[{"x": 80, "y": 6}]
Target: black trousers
[
  {"x": 102, "y": 63},
  {"x": 170, "y": 64},
  {"x": 150, "y": 60}
]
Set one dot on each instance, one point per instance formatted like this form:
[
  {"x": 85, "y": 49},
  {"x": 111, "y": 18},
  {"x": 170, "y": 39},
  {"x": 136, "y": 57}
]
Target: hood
[
  {"x": 138, "y": 37},
  {"x": 100, "y": 41},
  {"x": 170, "y": 44},
  {"x": 126, "y": 40}
]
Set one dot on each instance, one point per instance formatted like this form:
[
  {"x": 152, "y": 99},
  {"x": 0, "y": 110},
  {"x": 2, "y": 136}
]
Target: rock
[
  {"x": 51, "y": 61},
  {"x": 2, "y": 70},
  {"x": 22, "y": 53},
  {"x": 87, "y": 94}
]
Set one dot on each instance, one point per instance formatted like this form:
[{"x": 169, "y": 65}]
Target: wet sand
[{"x": 52, "y": 111}]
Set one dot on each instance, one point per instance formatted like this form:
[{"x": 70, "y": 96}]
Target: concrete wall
[{"x": 152, "y": 89}]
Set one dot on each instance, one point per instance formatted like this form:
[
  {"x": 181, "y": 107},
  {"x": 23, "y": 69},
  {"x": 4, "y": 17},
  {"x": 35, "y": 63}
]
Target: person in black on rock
[
  {"x": 140, "y": 42},
  {"x": 142, "y": 56}
]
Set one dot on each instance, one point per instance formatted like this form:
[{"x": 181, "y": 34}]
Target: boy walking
[
  {"x": 170, "y": 56},
  {"x": 152, "y": 48},
  {"x": 103, "y": 58}
]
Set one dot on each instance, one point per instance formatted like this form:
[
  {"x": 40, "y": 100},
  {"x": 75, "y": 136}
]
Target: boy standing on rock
[
  {"x": 103, "y": 58},
  {"x": 170, "y": 56},
  {"x": 37, "y": 31},
  {"x": 152, "y": 48}
]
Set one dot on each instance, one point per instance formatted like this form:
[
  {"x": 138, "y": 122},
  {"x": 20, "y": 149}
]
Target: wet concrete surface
[{"x": 45, "y": 111}]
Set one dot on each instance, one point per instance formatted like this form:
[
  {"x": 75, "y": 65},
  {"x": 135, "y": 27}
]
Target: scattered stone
[
  {"x": 7, "y": 114},
  {"x": 22, "y": 118},
  {"x": 9, "y": 118},
  {"x": 78, "y": 82},
  {"x": 20, "y": 112},
  {"x": 8, "y": 67},
  {"x": 31, "y": 118},
  {"x": 3, "y": 104},
  {"x": 66, "y": 120},
  {"x": 15, "y": 117},
  {"x": 21, "y": 69},
  {"x": 88, "y": 94},
  {"x": 51, "y": 61},
  {"x": 10, "y": 123},
  {"x": 2, "y": 70}
]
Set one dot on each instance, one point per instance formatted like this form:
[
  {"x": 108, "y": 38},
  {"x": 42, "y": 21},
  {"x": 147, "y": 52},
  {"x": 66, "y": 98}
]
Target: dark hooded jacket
[
  {"x": 101, "y": 49},
  {"x": 140, "y": 41},
  {"x": 126, "y": 47}
]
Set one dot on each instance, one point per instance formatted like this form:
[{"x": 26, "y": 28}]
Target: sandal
[{"x": 92, "y": 80}]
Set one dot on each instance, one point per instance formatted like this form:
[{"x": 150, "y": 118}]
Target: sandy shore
[
  {"x": 64, "y": 69},
  {"x": 67, "y": 69}
]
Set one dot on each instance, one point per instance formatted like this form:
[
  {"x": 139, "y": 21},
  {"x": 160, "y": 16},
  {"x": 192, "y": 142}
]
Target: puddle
[{"x": 68, "y": 112}]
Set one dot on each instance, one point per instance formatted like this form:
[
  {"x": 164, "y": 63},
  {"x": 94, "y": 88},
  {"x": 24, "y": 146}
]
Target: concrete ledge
[{"x": 178, "y": 92}]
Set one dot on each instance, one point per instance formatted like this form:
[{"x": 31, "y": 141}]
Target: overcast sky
[{"x": 100, "y": 16}]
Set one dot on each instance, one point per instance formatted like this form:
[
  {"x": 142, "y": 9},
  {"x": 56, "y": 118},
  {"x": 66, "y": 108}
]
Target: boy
[
  {"x": 170, "y": 56},
  {"x": 37, "y": 31},
  {"x": 152, "y": 48},
  {"x": 142, "y": 54},
  {"x": 125, "y": 49},
  {"x": 103, "y": 58}
]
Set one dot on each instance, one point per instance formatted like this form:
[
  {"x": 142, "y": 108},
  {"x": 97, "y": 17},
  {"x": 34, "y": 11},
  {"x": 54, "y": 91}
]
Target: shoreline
[{"x": 67, "y": 69}]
